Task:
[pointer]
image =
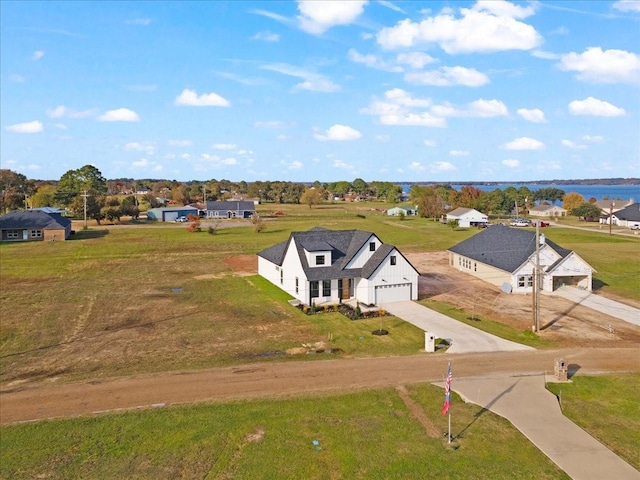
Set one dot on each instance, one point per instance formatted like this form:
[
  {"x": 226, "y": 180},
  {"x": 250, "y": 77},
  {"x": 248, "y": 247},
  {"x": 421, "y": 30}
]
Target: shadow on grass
[
  {"x": 86, "y": 234},
  {"x": 572, "y": 369},
  {"x": 485, "y": 409},
  {"x": 597, "y": 284}
]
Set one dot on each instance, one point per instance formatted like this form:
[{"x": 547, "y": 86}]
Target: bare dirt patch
[
  {"x": 567, "y": 323},
  {"x": 243, "y": 265}
]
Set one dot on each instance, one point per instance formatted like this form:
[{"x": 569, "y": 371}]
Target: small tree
[
  {"x": 401, "y": 215},
  {"x": 453, "y": 224},
  {"x": 194, "y": 223},
  {"x": 258, "y": 224}
]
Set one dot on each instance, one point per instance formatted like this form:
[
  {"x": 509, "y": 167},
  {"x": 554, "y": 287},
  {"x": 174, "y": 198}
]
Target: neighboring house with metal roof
[
  {"x": 170, "y": 214},
  {"x": 625, "y": 217},
  {"x": 407, "y": 211},
  {"x": 468, "y": 217},
  {"x": 34, "y": 225},
  {"x": 330, "y": 266},
  {"x": 503, "y": 255},
  {"x": 231, "y": 209},
  {"x": 545, "y": 210}
]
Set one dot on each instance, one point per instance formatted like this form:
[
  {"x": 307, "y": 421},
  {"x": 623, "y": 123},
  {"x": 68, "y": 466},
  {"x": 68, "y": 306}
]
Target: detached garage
[{"x": 169, "y": 214}]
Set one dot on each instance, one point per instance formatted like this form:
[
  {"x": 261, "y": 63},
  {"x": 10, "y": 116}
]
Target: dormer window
[
  {"x": 319, "y": 259},
  {"x": 372, "y": 246}
]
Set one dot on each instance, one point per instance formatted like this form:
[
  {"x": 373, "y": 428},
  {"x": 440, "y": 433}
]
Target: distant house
[
  {"x": 503, "y": 255},
  {"x": 331, "y": 266},
  {"x": 34, "y": 225},
  {"x": 231, "y": 209},
  {"x": 544, "y": 210},
  {"x": 407, "y": 211},
  {"x": 625, "y": 217},
  {"x": 468, "y": 217},
  {"x": 169, "y": 214}
]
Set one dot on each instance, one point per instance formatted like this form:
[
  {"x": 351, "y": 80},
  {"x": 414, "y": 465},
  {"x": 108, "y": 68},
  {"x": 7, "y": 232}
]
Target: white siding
[
  {"x": 311, "y": 258},
  {"x": 386, "y": 274},
  {"x": 364, "y": 254}
]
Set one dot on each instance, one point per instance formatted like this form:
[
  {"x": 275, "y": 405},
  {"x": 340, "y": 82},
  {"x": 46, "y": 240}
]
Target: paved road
[
  {"x": 600, "y": 304},
  {"x": 464, "y": 339},
  {"x": 23, "y": 402},
  {"x": 535, "y": 411}
]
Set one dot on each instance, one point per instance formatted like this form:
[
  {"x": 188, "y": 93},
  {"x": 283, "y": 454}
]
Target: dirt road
[{"x": 33, "y": 402}]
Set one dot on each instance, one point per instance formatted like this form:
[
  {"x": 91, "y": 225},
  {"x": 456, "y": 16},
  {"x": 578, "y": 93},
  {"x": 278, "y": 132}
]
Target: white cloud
[
  {"x": 266, "y": 36},
  {"x": 545, "y": 55},
  {"x": 592, "y": 138},
  {"x": 511, "y": 163},
  {"x": 477, "y": 109},
  {"x": 439, "y": 167},
  {"x": 534, "y": 115},
  {"x": 338, "y": 133},
  {"x": 524, "y": 143},
  {"x": 317, "y": 17},
  {"x": 138, "y": 21},
  {"x": 448, "y": 76},
  {"x": 273, "y": 124},
  {"x": 627, "y": 5},
  {"x": 372, "y": 61},
  {"x": 180, "y": 143},
  {"x": 458, "y": 153},
  {"x": 190, "y": 98},
  {"x": 119, "y": 115},
  {"x": 429, "y": 143},
  {"x": 417, "y": 167},
  {"x": 60, "y": 126},
  {"x": 486, "y": 27},
  {"x": 224, "y": 146},
  {"x": 37, "y": 55},
  {"x": 61, "y": 111},
  {"x": 283, "y": 138},
  {"x": 27, "y": 127},
  {"x": 343, "y": 165},
  {"x": 391, "y": 6},
  {"x": 415, "y": 60},
  {"x": 147, "y": 148},
  {"x": 382, "y": 138},
  {"x": 595, "y": 107},
  {"x": 400, "y": 108},
  {"x": 608, "y": 66},
  {"x": 312, "y": 81},
  {"x": 573, "y": 145},
  {"x": 295, "y": 165}
]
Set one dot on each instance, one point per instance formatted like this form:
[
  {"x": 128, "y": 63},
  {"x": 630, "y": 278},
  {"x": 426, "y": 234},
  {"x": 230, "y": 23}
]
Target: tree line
[{"x": 86, "y": 187}]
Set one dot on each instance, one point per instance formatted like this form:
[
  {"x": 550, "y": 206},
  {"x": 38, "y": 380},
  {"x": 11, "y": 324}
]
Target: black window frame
[
  {"x": 372, "y": 246},
  {"x": 314, "y": 289},
  {"x": 326, "y": 288},
  {"x": 319, "y": 259},
  {"x": 393, "y": 260}
]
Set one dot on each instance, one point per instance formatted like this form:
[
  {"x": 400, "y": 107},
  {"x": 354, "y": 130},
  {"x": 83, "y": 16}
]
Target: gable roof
[
  {"x": 629, "y": 213},
  {"x": 18, "y": 219},
  {"x": 544, "y": 208},
  {"x": 458, "y": 212},
  {"x": 503, "y": 247},
  {"x": 343, "y": 245},
  {"x": 231, "y": 205}
]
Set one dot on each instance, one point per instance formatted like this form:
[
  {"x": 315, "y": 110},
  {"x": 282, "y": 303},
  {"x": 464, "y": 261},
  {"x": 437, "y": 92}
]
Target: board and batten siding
[
  {"x": 364, "y": 254},
  {"x": 386, "y": 274}
]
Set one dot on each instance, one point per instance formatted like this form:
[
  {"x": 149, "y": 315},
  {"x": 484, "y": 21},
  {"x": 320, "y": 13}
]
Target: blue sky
[{"x": 322, "y": 90}]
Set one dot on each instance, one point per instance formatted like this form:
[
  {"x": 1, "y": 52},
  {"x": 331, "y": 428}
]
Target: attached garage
[{"x": 393, "y": 293}]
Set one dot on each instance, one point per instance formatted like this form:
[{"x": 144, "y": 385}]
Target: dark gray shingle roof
[
  {"x": 629, "y": 213},
  {"x": 231, "y": 205},
  {"x": 503, "y": 247},
  {"x": 19, "y": 219}
]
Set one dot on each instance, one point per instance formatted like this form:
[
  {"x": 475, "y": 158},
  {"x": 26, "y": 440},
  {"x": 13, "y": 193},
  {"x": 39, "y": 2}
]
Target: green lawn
[
  {"x": 366, "y": 435},
  {"x": 606, "y": 406}
]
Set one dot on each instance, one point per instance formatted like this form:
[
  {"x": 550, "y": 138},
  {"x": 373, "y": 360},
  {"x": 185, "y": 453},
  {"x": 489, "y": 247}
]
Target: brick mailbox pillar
[{"x": 560, "y": 370}]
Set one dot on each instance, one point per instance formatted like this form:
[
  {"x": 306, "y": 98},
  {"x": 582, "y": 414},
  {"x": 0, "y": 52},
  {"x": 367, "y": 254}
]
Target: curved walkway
[
  {"x": 533, "y": 410},
  {"x": 463, "y": 338}
]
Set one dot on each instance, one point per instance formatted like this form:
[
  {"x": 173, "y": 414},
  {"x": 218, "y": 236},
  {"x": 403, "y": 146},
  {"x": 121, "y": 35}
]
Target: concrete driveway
[
  {"x": 533, "y": 410},
  {"x": 463, "y": 338},
  {"x": 600, "y": 304}
]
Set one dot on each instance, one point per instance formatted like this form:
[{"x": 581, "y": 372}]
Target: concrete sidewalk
[
  {"x": 464, "y": 339},
  {"x": 600, "y": 304},
  {"x": 533, "y": 410}
]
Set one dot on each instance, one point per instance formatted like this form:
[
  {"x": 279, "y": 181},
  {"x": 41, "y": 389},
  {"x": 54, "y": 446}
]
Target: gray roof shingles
[
  {"x": 503, "y": 247},
  {"x": 21, "y": 219},
  {"x": 232, "y": 205}
]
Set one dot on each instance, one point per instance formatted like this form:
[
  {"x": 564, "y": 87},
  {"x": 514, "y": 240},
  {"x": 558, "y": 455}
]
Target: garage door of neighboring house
[
  {"x": 170, "y": 216},
  {"x": 400, "y": 292}
]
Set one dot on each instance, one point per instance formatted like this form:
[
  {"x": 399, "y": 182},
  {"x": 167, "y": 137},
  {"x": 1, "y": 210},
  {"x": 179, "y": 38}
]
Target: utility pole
[
  {"x": 204, "y": 195},
  {"x": 613, "y": 204},
  {"x": 85, "y": 195}
]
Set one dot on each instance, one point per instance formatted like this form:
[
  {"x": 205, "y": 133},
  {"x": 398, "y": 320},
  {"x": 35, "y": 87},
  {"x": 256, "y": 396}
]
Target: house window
[
  {"x": 319, "y": 259},
  {"x": 372, "y": 246},
  {"x": 296, "y": 284},
  {"x": 525, "y": 281},
  {"x": 314, "y": 289},
  {"x": 392, "y": 259},
  {"x": 475, "y": 267},
  {"x": 326, "y": 288},
  {"x": 13, "y": 234},
  {"x": 281, "y": 276},
  {"x": 35, "y": 233}
]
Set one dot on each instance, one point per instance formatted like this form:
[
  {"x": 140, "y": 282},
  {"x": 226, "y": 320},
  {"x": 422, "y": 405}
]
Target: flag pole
[{"x": 449, "y": 427}]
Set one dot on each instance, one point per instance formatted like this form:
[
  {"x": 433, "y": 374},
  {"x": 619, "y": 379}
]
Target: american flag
[{"x": 447, "y": 391}]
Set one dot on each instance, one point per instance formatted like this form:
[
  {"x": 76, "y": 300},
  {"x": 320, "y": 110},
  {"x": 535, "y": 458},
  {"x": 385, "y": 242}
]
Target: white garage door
[
  {"x": 170, "y": 216},
  {"x": 400, "y": 292}
]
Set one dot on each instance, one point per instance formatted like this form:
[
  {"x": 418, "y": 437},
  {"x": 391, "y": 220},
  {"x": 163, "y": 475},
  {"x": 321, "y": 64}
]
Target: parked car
[
  {"x": 519, "y": 222},
  {"x": 182, "y": 219},
  {"x": 635, "y": 226},
  {"x": 541, "y": 222}
]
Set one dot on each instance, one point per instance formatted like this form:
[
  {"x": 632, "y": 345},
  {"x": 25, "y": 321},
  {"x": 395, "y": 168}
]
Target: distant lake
[{"x": 599, "y": 192}]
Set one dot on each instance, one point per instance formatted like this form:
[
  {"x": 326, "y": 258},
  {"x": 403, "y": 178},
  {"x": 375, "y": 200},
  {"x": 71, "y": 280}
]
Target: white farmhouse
[
  {"x": 468, "y": 217},
  {"x": 330, "y": 266},
  {"x": 503, "y": 255}
]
